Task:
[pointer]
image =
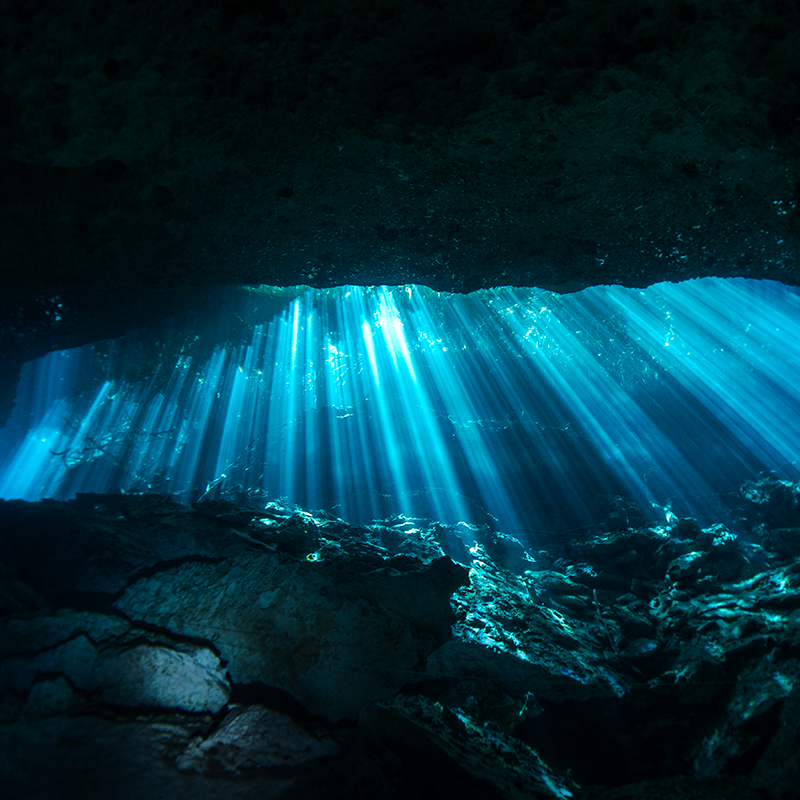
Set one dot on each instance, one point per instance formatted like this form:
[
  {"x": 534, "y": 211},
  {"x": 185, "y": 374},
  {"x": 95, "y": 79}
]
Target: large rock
[
  {"x": 281, "y": 652},
  {"x": 254, "y": 737},
  {"x": 104, "y": 658},
  {"x": 336, "y": 636}
]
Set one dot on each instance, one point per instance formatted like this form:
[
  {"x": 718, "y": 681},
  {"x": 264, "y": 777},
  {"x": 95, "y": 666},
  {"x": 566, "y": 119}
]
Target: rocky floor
[{"x": 154, "y": 649}]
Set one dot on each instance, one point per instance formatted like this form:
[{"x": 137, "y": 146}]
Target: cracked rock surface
[{"x": 220, "y": 650}]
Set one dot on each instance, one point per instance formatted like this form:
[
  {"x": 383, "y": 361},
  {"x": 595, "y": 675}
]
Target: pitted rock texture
[{"x": 170, "y": 145}]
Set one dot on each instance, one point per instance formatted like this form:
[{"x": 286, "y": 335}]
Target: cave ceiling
[{"x": 153, "y": 150}]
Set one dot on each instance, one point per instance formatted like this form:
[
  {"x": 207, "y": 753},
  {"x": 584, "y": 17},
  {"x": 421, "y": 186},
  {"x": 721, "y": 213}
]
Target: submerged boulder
[{"x": 276, "y": 652}]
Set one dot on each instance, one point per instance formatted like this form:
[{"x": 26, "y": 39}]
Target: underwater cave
[
  {"x": 592, "y": 500},
  {"x": 527, "y": 410},
  {"x": 400, "y": 399}
]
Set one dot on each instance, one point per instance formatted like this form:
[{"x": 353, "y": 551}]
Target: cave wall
[{"x": 151, "y": 149}]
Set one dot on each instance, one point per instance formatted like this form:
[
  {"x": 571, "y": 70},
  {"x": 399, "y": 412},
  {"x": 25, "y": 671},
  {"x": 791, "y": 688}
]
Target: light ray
[{"x": 510, "y": 406}]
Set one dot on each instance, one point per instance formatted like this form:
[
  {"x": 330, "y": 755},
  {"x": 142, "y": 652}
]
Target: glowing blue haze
[{"x": 515, "y": 404}]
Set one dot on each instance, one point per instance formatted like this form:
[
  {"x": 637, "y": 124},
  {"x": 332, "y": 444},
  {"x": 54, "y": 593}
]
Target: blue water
[{"x": 516, "y": 407}]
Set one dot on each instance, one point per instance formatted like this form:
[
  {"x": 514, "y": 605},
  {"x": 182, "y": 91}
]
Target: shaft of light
[{"x": 510, "y": 406}]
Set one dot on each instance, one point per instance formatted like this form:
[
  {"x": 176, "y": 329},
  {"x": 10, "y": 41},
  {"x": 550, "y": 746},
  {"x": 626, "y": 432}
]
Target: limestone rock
[
  {"x": 307, "y": 627},
  {"x": 187, "y": 677},
  {"x": 287, "y": 653},
  {"x": 255, "y": 737}
]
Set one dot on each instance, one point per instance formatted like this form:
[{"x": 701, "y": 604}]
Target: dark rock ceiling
[{"x": 153, "y": 149}]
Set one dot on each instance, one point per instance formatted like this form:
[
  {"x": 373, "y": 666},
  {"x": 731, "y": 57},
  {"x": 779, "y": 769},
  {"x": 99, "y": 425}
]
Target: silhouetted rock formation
[{"x": 159, "y": 648}]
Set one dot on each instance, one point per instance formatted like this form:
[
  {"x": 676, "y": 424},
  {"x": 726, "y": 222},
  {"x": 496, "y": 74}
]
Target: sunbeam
[{"x": 515, "y": 407}]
